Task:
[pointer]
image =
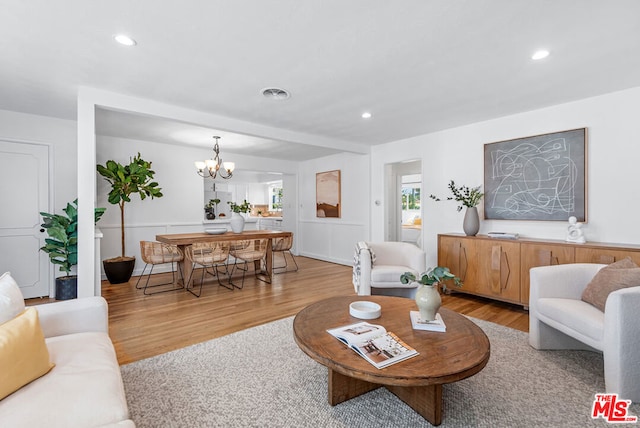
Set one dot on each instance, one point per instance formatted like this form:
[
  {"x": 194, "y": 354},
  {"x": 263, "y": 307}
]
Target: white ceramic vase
[
  {"x": 428, "y": 300},
  {"x": 237, "y": 222}
]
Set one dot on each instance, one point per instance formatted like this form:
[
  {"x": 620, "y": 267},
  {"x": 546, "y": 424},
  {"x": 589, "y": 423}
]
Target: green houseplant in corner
[
  {"x": 428, "y": 296},
  {"x": 125, "y": 180},
  {"x": 467, "y": 197},
  {"x": 62, "y": 246}
]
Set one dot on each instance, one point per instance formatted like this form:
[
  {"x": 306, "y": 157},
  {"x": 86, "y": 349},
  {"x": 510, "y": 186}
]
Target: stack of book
[
  {"x": 503, "y": 235},
  {"x": 419, "y": 324}
]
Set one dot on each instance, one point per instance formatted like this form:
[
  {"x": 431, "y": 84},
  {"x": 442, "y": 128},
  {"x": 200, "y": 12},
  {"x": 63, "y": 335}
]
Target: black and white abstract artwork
[{"x": 537, "y": 178}]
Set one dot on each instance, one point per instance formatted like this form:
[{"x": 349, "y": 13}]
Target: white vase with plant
[
  {"x": 428, "y": 294},
  {"x": 237, "y": 219},
  {"x": 467, "y": 197}
]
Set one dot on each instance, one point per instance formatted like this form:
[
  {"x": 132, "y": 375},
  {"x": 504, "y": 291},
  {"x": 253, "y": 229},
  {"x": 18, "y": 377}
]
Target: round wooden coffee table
[{"x": 462, "y": 351}]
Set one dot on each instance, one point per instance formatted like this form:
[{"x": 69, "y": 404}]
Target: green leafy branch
[{"x": 466, "y": 196}]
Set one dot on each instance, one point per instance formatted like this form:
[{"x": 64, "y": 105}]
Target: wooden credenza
[{"x": 499, "y": 268}]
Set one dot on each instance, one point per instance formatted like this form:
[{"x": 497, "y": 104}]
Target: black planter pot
[
  {"x": 66, "y": 287},
  {"x": 119, "y": 270}
]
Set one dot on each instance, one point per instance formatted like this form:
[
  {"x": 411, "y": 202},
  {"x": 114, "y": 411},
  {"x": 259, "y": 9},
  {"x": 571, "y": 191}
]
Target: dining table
[{"x": 182, "y": 240}]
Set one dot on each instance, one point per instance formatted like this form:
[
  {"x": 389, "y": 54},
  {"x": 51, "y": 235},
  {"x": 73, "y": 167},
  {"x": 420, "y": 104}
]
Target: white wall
[
  {"x": 333, "y": 239},
  {"x": 60, "y": 136},
  {"x": 180, "y": 210},
  {"x": 613, "y": 169}
]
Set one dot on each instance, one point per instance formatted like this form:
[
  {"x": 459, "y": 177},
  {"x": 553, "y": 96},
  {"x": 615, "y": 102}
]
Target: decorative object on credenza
[
  {"x": 210, "y": 208},
  {"x": 237, "y": 219},
  {"x": 328, "y": 194},
  {"x": 467, "y": 197},
  {"x": 503, "y": 235},
  {"x": 62, "y": 246},
  {"x": 125, "y": 180},
  {"x": 537, "y": 178},
  {"x": 574, "y": 231},
  {"x": 214, "y": 167},
  {"x": 428, "y": 295}
]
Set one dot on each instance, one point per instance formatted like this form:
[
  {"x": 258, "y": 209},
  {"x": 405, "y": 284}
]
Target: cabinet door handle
[
  {"x": 462, "y": 262},
  {"x": 505, "y": 271},
  {"x": 500, "y": 270}
]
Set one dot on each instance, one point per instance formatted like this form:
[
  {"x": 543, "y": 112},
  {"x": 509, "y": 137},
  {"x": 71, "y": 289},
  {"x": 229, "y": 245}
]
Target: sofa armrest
[
  {"x": 561, "y": 281},
  {"x": 417, "y": 260},
  {"x": 622, "y": 342},
  {"x": 622, "y": 320},
  {"x": 74, "y": 316},
  {"x": 365, "y": 274}
]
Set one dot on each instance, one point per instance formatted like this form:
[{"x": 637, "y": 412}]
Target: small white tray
[
  {"x": 365, "y": 310},
  {"x": 216, "y": 231}
]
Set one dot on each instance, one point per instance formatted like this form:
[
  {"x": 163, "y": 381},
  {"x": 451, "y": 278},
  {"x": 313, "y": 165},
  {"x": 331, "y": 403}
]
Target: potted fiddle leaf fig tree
[
  {"x": 62, "y": 246},
  {"x": 125, "y": 180}
]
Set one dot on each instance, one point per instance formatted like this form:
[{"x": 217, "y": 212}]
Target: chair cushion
[
  {"x": 84, "y": 389},
  {"x": 575, "y": 315},
  {"x": 621, "y": 274},
  {"x": 11, "y": 300},
  {"x": 386, "y": 276},
  {"x": 23, "y": 353}
]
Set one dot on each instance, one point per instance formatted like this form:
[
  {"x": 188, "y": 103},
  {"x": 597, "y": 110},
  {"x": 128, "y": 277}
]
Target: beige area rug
[{"x": 259, "y": 378}]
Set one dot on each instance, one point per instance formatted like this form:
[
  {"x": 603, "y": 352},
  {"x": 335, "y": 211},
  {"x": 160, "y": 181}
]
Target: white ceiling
[{"x": 417, "y": 65}]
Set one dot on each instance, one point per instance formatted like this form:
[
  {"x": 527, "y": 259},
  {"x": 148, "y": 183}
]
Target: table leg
[
  {"x": 185, "y": 265},
  {"x": 343, "y": 388},
  {"x": 268, "y": 272},
  {"x": 426, "y": 400}
]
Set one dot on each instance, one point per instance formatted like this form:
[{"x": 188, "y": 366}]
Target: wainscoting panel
[{"x": 328, "y": 241}]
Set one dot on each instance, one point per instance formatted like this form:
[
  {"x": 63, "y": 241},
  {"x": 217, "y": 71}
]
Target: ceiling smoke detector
[{"x": 275, "y": 94}]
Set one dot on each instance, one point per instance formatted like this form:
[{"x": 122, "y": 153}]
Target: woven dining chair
[
  {"x": 283, "y": 246},
  {"x": 251, "y": 250},
  {"x": 210, "y": 257},
  {"x": 157, "y": 253}
]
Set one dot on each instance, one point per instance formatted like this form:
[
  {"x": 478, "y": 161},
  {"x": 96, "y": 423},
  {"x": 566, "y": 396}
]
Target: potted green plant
[
  {"x": 125, "y": 180},
  {"x": 62, "y": 246},
  {"x": 467, "y": 197},
  {"x": 237, "y": 221},
  {"x": 210, "y": 208},
  {"x": 428, "y": 296}
]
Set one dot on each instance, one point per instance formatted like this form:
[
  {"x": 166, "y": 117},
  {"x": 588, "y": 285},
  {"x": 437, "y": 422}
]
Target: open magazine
[{"x": 374, "y": 343}]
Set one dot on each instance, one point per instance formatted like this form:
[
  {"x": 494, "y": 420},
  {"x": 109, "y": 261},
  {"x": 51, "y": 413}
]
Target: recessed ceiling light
[
  {"x": 366, "y": 115},
  {"x": 541, "y": 54},
  {"x": 275, "y": 94},
  {"x": 123, "y": 39}
]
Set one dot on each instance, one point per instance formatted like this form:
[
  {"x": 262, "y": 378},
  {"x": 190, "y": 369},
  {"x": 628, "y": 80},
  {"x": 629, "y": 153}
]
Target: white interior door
[{"x": 24, "y": 191}]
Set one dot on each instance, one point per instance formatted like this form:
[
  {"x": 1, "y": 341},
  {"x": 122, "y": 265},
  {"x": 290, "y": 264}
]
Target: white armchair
[
  {"x": 378, "y": 266},
  {"x": 559, "y": 319}
]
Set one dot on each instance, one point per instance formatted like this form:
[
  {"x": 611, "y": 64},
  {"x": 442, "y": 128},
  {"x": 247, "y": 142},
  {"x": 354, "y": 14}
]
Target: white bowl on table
[{"x": 365, "y": 310}]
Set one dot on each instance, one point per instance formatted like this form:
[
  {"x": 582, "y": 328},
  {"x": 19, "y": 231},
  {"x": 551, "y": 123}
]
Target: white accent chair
[
  {"x": 559, "y": 319},
  {"x": 391, "y": 259}
]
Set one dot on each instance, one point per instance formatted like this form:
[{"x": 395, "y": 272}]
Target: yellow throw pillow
[{"x": 24, "y": 356}]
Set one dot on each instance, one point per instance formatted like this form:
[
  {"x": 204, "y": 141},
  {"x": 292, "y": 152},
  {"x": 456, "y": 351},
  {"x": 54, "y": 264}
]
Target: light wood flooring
[{"x": 144, "y": 326}]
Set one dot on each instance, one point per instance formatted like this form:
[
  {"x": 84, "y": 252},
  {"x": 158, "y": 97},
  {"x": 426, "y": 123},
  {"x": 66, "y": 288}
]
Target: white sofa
[
  {"x": 84, "y": 388},
  {"x": 559, "y": 319},
  {"x": 390, "y": 260}
]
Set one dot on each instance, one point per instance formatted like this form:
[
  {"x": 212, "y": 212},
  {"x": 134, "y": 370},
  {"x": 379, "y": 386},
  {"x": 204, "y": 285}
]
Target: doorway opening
[{"x": 403, "y": 214}]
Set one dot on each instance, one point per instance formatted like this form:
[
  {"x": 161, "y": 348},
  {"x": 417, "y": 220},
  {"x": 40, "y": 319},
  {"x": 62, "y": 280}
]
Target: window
[
  {"x": 275, "y": 197},
  {"x": 411, "y": 186}
]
